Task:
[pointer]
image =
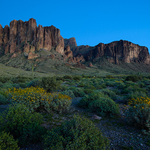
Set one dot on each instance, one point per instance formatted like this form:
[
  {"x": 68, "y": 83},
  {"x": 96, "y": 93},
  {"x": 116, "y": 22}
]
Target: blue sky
[{"x": 89, "y": 21}]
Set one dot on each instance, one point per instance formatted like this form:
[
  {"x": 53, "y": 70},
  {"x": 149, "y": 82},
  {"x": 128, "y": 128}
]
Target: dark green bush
[
  {"x": 23, "y": 125},
  {"x": 110, "y": 93},
  {"x": 139, "y": 116},
  {"x": 35, "y": 83},
  {"x": 50, "y": 84},
  {"x": 69, "y": 93},
  {"x": 133, "y": 78},
  {"x": 100, "y": 103},
  {"x": 78, "y": 134},
  {"x": 3, "y": 100},
  {"x": 68, "y": 77},
  {"x": 7, "y": 142},
  {"x": 109, "y": 76},
  {"x": 5, "y": 79},
  {"x": 78, "y": 92},
  {"x": 88, "y": 91},
  {"x": 20, "y": 79},
  {"x": 77, "y": 78}
]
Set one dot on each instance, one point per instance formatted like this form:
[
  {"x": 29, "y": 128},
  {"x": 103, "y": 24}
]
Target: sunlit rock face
[{"x": 26, "y": 37}]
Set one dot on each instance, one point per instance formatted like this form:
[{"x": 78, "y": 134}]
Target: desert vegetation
[{"x": 45, "y": 112}]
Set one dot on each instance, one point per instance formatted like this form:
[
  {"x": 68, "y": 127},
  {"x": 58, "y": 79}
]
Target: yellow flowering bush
[
  {"x": 139, "y": 112},
  {"x": 37, "y": 99},
  {"x": 60, "y": 102},
  {"x": 139, "y": 100}
]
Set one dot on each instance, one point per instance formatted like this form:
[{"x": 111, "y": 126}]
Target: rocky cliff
[
  {"x": 26, "y": 37},
  {"x": 124, "y": 51}
]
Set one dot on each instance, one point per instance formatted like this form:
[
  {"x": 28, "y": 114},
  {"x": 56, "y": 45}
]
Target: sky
[{"x": 90, "y": 21}]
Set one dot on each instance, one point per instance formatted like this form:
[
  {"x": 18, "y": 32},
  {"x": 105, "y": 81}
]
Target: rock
[
  {"x": 28, "y": 37},
  {"x": 14, "y": 55},
  {"x": 32, "y": 55},
  {"x": 119, "y": 50},
  {"x": 96, "y": 117},
  {"x": 70, "y": 42},
  {"x": 68, "y": 52},
  {"x": 79, "y": 65},
  {"x": 90, "y": 65}
]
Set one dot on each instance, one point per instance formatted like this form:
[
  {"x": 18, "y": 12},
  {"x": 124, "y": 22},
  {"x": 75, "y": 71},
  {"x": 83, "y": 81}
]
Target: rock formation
[
  {"x": 71, "y": 42},
  {"x": 120, "y": 51},
  {"x": 26, "y": 37}
]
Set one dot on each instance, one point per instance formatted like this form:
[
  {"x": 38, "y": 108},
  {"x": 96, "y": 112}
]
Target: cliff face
[
  {"x": 26, "y": 37},
  {"x": 120, "y": 51}
]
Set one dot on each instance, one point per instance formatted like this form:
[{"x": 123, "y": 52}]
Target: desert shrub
[
  {"x": 77, "y": 78},
  {"x": 22, "y": 124},
  {"x": 136, "y": 94},
  {"x": 16, "y": 85},
  {"x": 139, "y": 116},
  {"x": 20, "y": 79},
  {"x": 23, "y": 85},
  {"x": 120, "y": 84},
  {"x": 69, "y": 93},
  {"x": 117, "y": 91},
  {"x": 104, "y": 107},
  {"x": 4, "y": 79},
  {"x": 7, "y": 142},
  {"x": 60, "y": 103},
  {"x": 133, "y": 78},
  {"x": 78, "y": 92},
  {"x": 109, "y": 76},
  {"x": 37, "y": 99},
  {"x": 63, "y": 88},
  {"x": 88, "y": 86},
  {"x": 3, "y": 100},
  {"x": 78, "y": 133},
  {"x": 141, "y": 84},
  {"x": 100, "y": 103},
  {"x": 110, "y": 83},
  {"x": 1, "y": 84},
  {"x": 7, "y": 85},
  {"x": 110, "y": 93},
  {"x": 88, "y": 91},
  {"x": 139, "y": 100},
  {"x": 34, "y": 83},
  {"x": 82, "y": 84},
  {"x": 68, "y": 77},
  {"x": 50, "y": 84},
  {"x": 100, "y": 86}
]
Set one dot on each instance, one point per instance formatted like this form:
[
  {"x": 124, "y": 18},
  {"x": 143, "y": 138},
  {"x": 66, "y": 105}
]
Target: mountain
[{"x": 24, "y": 41}]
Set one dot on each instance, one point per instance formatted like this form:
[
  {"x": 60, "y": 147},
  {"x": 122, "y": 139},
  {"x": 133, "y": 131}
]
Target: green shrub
[
  {"x": 3, "y": 100},
  {"x": 88, "y": 91},
  {"x": 100, "y": 103},
  {"x": 139, "y": 116},
  {"x": 69, "y": 93},
  {"x": 4, "y": 79},
  {"x": 78, "y": 92},
  {"x": 60, "y": 103},
  {"x": 68, "y": 77},
  {"x": 109, "y": 76},
  {"x": 7, "y": 85},
  {"x": 100, "y": 86},
  {"x": 78, "y": 134},
  {"x": 77, "y": 78},
  {"x": 20, "y": 79},
  {"x": 34, "y": 83},
  {"x": 23, "y": 85},
  {"x": 1, "y": 84},
  {"x": 50, "y": 84},
  {"x": 111, "y": 83},
  {"x": 22, "y": 124},
  {"x": 104, "y": 107},
  {"x": 64, "y": 88},
  {"x": 110, "y": 93},
  {"x": 88, "y": 86},
  {"x": 15, "y": 85},
  {"x": 133, "y": 78},
  {"x": 7, "y": 142},
  {"x": 136, "y": 94}
]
